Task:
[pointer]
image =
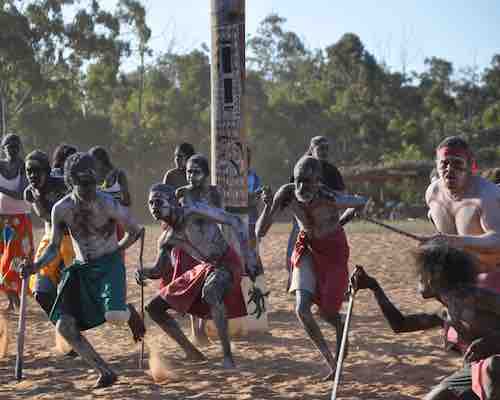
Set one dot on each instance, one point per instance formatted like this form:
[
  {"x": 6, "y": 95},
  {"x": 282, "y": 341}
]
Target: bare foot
[
  {"x": 228, "y": 363},
  {"x": 136, "y": 324},
  {"x": 105, "y": 380}
]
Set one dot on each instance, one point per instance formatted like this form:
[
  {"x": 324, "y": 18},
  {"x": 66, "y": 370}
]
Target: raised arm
[
  {"x": 272, "y": 206},
  {"x": 398, "y": 322}
]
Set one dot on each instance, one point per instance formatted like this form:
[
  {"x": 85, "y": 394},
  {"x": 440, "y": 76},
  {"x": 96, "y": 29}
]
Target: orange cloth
[{"x": 16, "y": 243}]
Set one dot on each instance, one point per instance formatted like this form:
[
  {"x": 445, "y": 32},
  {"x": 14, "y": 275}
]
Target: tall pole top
[{"x": 227, "y": 12}]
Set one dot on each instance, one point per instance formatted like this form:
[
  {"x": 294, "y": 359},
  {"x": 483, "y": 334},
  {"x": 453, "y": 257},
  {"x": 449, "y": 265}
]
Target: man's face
[
  {"x": 306, "y": 186},
  {"x": 159, "y": 206},
  {"x": 12, "y": 149},
  {"x": 454, "y": 171},
  {"x": 180, "y": 159},
  {"x": 320, "y": 150},
  {"x": 85, "y": 185},
  {"x": 195, "y": 175},
  {"x": 36, "y": 174}
]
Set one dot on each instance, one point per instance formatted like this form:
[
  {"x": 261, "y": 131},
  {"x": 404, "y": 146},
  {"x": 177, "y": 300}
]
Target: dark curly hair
[
  {"x": 201, "y": 161},
  {"x": 40, "y": 157},
  {"x": 75, "y": 163},
  {"x": 185, "y": 148},
  {"x": 307, "y": 163},
  {"x": 452, "y": 266}
]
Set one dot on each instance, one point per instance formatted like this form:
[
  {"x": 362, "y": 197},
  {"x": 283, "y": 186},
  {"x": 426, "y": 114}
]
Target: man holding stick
[
  {"x": 447, "y": 275},
  {"x": 92, "y": 290},
  {"x": 321, "y": 252},
  {"x": 210, "y": 288}
]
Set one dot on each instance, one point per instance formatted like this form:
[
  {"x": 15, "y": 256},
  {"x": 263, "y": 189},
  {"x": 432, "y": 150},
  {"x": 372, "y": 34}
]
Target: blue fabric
[{"x": 254, "y": 183}]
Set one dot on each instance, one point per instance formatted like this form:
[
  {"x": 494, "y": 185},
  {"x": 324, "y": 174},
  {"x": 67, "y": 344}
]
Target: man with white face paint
[
  {"x": 92, "y": 290},
  {"x": 210, "y": 288},
  {"x": 321, "y": 252},
  {"x": 465, "y": 208}
]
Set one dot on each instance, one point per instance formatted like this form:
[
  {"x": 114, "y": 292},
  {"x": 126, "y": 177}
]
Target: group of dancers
[{"x": 78, "y": 274}]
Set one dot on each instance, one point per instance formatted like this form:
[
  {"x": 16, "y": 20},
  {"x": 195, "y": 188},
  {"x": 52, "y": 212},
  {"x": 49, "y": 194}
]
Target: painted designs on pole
[{"x": 230, "y": 148}]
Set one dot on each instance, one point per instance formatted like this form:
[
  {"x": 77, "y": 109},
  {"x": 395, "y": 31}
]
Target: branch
[{"x": 22, "y": 103}]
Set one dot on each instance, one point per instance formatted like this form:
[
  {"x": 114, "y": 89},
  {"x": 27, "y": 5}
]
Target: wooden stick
[
  {"x": 141, "y": 267},
  {"x": 343, "y": 344},
  {"x": 21, "y": 327},
  {"x": 394, "y": 229}
]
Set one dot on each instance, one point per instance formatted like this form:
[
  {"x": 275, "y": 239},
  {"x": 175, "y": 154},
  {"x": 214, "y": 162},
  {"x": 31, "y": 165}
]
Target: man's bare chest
[{"x": 456, "y": 217}]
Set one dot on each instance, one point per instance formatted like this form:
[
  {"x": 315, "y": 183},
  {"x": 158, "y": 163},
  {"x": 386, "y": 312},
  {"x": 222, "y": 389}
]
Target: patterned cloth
[
  {"x": 329, "y": 255},
  {"x": 16, "y": 243},
  {"x": 47, "y": 278},
  {"x": 90, "y": 290}
]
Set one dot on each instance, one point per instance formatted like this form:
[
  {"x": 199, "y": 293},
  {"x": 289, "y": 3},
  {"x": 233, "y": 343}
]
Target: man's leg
[
  {"x": 14, "y": 301},
  {"x": 157, "y": 310},
  {"x": 217, "y": 285},
  {"x": 198, "y": 331},
  {"x": 336, "y": 322},
  {"x": 67, "y": 328},
  {"x": 304, "y": 314}
]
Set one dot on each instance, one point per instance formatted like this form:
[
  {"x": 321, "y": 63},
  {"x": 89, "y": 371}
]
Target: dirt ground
[{"x": 280, "y": 365}]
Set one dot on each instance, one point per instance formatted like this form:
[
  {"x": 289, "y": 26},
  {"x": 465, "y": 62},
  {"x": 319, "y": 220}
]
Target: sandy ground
[{"x": 280, "y": 365}]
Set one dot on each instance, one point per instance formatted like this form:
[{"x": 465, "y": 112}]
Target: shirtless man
[
  {"x": 212, "y": 287},
  {"x": 465, "y": 209},
  {"x": 43, "y": 192},
  {"x": 447, "y": 275},
  {"x": 321, "y": 252},
  {"x": 197, "y": 189},
  {"x": 177, "y": 176},
  {"x": 92, "y": 290}
]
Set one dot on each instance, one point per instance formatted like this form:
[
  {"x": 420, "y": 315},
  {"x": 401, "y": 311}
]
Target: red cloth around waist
[
  {"x": 330, "y": 255},
  {"x": 183, "y": 293}
]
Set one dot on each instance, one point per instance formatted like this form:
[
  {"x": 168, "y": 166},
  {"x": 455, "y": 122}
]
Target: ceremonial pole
[
  {"x": 229, "y": 166},
  {"x": 228, "y": 134}
]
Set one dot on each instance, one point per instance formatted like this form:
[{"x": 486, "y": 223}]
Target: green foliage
[{"x": 61, "y": 80}]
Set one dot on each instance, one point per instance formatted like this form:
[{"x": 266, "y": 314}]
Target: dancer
[{"x": 321, "y": 252}]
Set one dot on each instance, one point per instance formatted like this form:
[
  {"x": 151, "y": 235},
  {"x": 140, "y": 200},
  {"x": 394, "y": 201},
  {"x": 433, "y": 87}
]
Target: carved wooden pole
[{"x": 228, "y": 133}]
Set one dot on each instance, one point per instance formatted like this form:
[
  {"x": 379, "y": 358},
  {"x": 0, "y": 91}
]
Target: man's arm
[
  {"x": 489, "y": 219},
  {"x": 272, "y": 206},
  {"x": 398, "y": 322},
  {"x": 122, "y": 215},
  {"x": 162, "y": 264},
  {"x": 56, "y": 235},
  {"x": 122, "y": 180}
]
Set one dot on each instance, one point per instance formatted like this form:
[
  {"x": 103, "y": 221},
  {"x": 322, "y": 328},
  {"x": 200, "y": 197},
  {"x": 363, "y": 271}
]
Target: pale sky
[{"x": 398, "y": 32}]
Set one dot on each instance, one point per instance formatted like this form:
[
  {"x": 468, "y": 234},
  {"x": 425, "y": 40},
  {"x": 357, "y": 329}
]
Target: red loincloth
[
  {"x": 183, "y": 293},
  {"x": 330, "y": 255},
  {"x": 182, "y": 262}
]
